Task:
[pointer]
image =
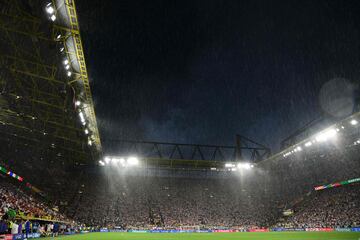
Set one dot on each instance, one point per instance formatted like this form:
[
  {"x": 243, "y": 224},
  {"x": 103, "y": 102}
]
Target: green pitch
[{"x": 216, "y": 236}]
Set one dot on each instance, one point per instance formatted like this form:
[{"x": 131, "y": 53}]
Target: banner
[
  {"x": 319, "y": 229},
  {"x": 6, "y": 237},
  {"x": 259, "y": 230},
  {"x": 343, "y": 229},
  {"x": 287, "y": 229},
  {"x": 337, "y": 184},
  {"x": 23, "y": 236}
]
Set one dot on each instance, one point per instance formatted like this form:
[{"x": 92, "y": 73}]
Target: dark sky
[{"x": 202, "y": 71}]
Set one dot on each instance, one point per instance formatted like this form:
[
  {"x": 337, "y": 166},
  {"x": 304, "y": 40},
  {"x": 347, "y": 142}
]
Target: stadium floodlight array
[
  {"x": 323, "y": 136},
  {"x": 120, "y": 161},
  {"x": 238, "y": 166},
  {"x": 51, "y": 11}
]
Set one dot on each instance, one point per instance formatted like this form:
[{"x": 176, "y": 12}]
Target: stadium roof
[
  {"x": 348, "y": 126},
  {"x": 45, "y": 97}
]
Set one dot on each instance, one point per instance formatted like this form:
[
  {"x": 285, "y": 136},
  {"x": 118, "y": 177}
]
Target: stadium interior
[{"x": 57, "y": 177}]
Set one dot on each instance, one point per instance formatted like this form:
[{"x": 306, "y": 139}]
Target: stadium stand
[{"x": 337, "y": 208}]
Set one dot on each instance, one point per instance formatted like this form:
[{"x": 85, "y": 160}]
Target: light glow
[
  {"x": 246, "y": 166},
  {"x": 229, "y": 165},
  {"x": 107, "y": 160},
  {"x": 353, "y": 122},
  {"x": 326, "y": 135},
  {"x": 132, "y": 161},
  {"x": 50, "y": 9},
  {"x": 101, "y": 163}
]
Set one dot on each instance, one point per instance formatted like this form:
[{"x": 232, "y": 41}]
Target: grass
[{"x": 217, "y": 236}]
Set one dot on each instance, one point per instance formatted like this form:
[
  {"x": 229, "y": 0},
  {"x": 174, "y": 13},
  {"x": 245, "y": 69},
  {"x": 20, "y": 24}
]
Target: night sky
[{"x": 202, "y": 71}]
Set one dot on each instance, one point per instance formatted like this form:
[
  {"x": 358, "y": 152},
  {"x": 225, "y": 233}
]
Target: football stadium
[{"x": 215, "y": 120}]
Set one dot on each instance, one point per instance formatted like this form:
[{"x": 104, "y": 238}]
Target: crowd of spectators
[
  {"x": 337, "y": 207},
  {"x": 23, "y": 204},
  {"x": 252, "y": 199},
  {"x": 20, "y": 212}
]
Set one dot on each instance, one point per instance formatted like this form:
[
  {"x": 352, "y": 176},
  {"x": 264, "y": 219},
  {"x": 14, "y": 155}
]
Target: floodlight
[
  {"x": 101, "y": 163},
  {"x": 58, "y": 36},
  {"x": 308, "y": 144},
  {"x": 69, "y": 74},
  {"x": 86, "y": 131},
  {"x": 81, "y": 115},
  {"x": 77, "y": 103},
  {"x": 62, "y": 49},
  {"x": 50, "y": 10},
  {"x": 115, "y": 161},
  {"x": 90, "y": 142},
  {"x": 324, "y": 136},
  {"x": 244, "y": 166},
  {"x": 132, "y": 161},
  {"x": 353, "y": 122},
  {"x": 298, "y": 148},
  {"x": 67, "y": 67},
  {"x": 122, "y": 161},
  {"x": 53, "y": 17},
  {"x": 229, "y": 165},
  {"x": 107, "y": 160}
]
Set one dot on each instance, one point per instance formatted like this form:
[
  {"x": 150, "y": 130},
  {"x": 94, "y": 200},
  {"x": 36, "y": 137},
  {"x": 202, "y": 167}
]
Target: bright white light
[
  {"x": 101, "y": 163},
  {"x": 50, "y": 9},
  {"x": 62, "y": 49},
  {"x": 77, "y": 103},
  {"x": 69, "y": 74},
  {"x": 213, "y": 169},
  {"x": 86, "y": 131},
  {"x": 233, "y": 169},
  {"x": 115, "y": 161},
  {"x": 82, "y": 118},
  {"x": 107, "y": 160},
  {"x": 58, "y": 36},
  {"x": 132, "y": 161},
  {"x": 353, "y": 122},
  {"x": 53, "y": 17},
  {"x": 244, "y": 166},
  {"x": 298, "y": 148},
  {"x": 308, "y": 144},
  {"x": 324, "y": 136},
  {"x": 90, "y": 142},
  {"x": 229, "y": 165},
  {"x": 67, "y": 67},
  {"x": 122, "y": 161},
  {"x": 252, "y": 165},
  {"x": 66, "y": 62}
]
